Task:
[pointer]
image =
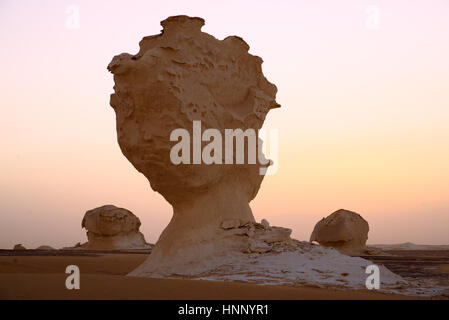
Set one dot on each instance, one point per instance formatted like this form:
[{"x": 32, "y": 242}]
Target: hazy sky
[{"x": 364, "y": 123}]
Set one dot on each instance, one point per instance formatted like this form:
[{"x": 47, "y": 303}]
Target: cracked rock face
[
  {"x": 260, "y": 237},
  {"x": 179, "y": 76},
  {"x": 109, "y": 227},
  {"x": 344, "y": 230}
]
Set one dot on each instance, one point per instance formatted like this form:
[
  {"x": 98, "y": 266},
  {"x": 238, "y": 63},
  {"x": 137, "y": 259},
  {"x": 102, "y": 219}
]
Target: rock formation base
[{"x": 259, "y": 253}]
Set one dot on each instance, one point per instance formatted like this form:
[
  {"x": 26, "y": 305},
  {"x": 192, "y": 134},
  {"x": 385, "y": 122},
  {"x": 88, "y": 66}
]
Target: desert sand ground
[{"x": 32, "y": 274}]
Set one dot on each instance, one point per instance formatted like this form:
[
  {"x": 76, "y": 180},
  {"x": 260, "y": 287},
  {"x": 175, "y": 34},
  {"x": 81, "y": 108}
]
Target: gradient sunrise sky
[{"x": 364, "y": 123}]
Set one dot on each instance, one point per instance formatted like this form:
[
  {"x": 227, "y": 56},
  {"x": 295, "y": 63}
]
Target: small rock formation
[
  {"x": 19, "y": 247},
  {"x": 180, "y": 76},
  {"x": 344, "y": 230},
  {"x": 109, "y": 228}
]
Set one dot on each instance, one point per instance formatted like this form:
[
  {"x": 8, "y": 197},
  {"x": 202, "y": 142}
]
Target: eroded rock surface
[
  {"x": 344, "y": 230},
  {"x": 109, "y": 227}
]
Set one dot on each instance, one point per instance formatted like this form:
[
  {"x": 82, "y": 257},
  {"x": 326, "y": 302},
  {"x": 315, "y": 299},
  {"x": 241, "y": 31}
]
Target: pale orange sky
[{"x": 364, "y": 123}]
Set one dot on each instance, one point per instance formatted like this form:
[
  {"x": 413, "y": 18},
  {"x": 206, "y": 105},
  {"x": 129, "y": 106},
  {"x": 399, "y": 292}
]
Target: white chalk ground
[{"x": 313, "y": 265}]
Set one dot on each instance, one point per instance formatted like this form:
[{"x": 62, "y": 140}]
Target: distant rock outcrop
[
  {"x": 109, "y": 227},
  {"x": 410, "y": 246},
  {"x": 19, "y": 247},
  {"x": 46, "y": 248},
  {"x": 344, "y": 230}
]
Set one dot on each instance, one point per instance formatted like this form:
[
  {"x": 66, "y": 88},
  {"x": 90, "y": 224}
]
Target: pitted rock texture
[
  {"x": 109, "y": 227},
  {"x": 179, "y": 76},
  {"x": 344, "y": 230}
]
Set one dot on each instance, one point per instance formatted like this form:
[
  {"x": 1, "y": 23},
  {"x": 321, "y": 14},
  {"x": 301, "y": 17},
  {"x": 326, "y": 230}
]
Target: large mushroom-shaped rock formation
[
  {"x": 183, "y": 77},
  {"x": 179, "y": 76},
  {"x": 109, "y": 228},
  {"x": 344, "y": 230}
]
